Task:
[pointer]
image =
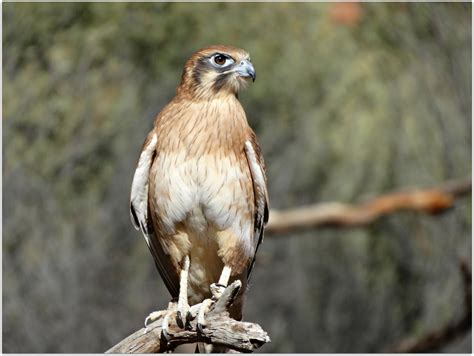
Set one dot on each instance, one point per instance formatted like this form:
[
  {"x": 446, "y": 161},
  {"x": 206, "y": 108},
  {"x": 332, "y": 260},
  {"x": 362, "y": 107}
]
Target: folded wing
[
  {"x": 141, "y": 217},
  {"x": 257, "y": 170}
]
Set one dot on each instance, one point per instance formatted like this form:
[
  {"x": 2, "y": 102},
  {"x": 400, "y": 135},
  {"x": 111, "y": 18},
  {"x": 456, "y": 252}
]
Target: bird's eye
[{"x": 220, "y": 60}]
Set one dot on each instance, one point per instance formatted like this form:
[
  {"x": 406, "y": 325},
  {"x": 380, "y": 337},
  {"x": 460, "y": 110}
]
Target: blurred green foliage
[{"x": 342, "y": 110}]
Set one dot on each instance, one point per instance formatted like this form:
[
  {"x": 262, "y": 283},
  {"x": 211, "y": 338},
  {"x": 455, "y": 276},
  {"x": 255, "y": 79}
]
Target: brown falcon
[{"x": 199, "y": 191}]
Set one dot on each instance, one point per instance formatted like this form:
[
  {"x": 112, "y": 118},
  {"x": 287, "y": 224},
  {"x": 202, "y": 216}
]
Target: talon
[
  {"x": 165, "y": 336},
  {"x": 179, "y": 319},
  {"x": 189, "y": 317},
  {"x": 153, "y": 317},
  {"x": 182, "y": 315},
  {"x": 200, "y": 328},
  {"x": 203, "y": 309}
]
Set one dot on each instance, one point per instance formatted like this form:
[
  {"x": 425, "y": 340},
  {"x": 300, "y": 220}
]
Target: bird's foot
[
  {"x": 203, "y": 308},
  {"x": 183, "y": 315},
  {"x": 153, "y": 316},
  {"x": 165, "y": 314},
  {"x": 200, "y": 310},
  {"x": 217, "y": 289}
]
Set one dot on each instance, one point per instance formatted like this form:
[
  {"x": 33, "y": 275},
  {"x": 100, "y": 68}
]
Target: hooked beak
[{"x": 245, "y": 69}]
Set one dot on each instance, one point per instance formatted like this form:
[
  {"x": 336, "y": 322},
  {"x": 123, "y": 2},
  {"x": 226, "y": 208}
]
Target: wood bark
[
  {"x": 428, "y": 201},
  {"x": 220, "y": 330}
]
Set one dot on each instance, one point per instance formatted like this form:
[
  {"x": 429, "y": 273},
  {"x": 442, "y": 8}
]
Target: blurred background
[{"x": 351, "y": 101}]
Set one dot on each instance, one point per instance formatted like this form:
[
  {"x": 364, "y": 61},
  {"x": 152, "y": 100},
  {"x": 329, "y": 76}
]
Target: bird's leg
[
  {"x": 183, "y": 306},
  {"x": 218, "y": 288}
]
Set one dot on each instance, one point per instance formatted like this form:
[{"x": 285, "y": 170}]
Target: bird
[{"x": 199, "y": 192}]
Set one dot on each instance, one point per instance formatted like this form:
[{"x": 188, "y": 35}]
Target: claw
[
  {"x": 147, "y": 320},
  {"x": 153, "y": 317},
  {"x": 200, "y": 328},
  {"x": 203, "y": 309},
  {"x": 189, "y": 318},
  {"x": 179, "y": 319},
  {"x": 165, "y": 336},
  {"x": 181, "y": 314}
]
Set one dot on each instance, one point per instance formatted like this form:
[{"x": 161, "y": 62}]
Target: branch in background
[
  {"x": 220, "y": 330},
  {"x": 438, "y": 338},
  {"x": 428, "y": 201}
]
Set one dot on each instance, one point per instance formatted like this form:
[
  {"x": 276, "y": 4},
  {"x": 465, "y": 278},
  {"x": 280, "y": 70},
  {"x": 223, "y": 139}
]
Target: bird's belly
[
  {"x": 197, "y": 199},
  {"x": 203, "y": 192}
]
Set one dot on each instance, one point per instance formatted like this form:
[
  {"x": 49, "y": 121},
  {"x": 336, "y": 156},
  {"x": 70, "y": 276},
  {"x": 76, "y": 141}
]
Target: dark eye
[{"x": 219, "y": 59}]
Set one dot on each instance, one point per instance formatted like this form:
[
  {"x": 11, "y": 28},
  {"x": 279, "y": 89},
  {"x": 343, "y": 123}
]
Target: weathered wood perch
[
  {"x": 429, "y": 201},
  {"x": 435, "y": 339},
  {"x": 220, "y": 330}
]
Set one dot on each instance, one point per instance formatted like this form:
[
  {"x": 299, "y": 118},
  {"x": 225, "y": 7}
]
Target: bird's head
[{"x": 216, "y": 71}]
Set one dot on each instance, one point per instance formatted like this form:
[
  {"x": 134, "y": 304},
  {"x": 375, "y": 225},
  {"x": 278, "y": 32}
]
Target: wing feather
[
  {"x": 141, "y": 217},
  {"x": 139, "y": 193},
  {"x": 257, "y": 170}
]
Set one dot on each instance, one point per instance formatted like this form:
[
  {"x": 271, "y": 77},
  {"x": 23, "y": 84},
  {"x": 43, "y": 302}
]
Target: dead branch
[
  {"x": 220, "y": 330},
  {"x": 428, "y": 201},
  {"x": 438, "y": 338}
]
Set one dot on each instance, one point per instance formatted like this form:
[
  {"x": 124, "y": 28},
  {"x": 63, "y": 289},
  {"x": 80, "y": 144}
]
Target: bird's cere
[{"x": 246, "y": 69}]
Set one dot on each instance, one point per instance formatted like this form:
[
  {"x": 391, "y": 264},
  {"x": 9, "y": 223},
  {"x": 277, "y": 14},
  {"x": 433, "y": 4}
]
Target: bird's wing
[
  {"x": 257, "y": 170},
  {"x": 139, "y": 194},
  {"x": 141, "y": 217}
]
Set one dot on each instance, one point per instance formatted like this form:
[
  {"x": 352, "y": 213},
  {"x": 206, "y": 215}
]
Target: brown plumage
[{"x": 199, "y": 192}]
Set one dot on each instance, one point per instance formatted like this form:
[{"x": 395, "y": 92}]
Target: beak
[{"x": 245, "y": 69}]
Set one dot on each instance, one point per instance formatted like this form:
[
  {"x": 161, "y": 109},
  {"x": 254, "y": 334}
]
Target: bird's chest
[{"x": 201, "y": 193}]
